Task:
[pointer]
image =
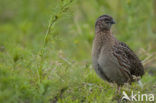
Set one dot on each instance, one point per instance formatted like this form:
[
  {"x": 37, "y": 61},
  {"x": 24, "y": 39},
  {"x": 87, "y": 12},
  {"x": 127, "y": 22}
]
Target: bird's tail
[{"x": 140, "y": 84}]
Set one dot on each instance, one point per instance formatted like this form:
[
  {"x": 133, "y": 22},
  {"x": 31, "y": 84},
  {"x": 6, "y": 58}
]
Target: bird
[{"x": 113, "y": 60}]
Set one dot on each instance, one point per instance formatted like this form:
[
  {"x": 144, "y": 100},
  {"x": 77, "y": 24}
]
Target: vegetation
[{"x": 49, "y": 64}]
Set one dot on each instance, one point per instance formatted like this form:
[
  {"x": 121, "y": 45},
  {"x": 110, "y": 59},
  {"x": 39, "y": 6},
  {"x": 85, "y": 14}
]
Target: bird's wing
[{"x": 128, "y": 60}]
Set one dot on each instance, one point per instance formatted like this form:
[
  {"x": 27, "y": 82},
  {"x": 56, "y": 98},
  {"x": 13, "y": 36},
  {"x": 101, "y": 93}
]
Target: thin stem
[{"x": 51, "y": 24}]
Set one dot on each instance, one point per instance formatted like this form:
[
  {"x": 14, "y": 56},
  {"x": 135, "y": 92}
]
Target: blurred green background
[{"x": 61, "y": 71}]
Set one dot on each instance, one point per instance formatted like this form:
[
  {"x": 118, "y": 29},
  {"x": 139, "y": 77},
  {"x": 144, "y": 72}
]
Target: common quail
[{"x": 113, "y": 60}]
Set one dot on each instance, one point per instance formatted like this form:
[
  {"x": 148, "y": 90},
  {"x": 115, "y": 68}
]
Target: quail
[{"x": 113, "y": 60}]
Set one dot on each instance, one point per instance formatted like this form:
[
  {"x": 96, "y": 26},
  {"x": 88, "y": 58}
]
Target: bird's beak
[{"x": 113, "y": 22}]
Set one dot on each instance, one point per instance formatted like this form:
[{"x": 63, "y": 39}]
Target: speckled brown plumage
[{"x": 113, "y": 60}]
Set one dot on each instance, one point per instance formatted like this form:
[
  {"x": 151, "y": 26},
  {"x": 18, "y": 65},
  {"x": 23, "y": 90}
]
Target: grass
[{"x": 39, "y": 66}]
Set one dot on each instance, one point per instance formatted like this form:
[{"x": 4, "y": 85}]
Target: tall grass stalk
[{"x": 53, "y": 19}]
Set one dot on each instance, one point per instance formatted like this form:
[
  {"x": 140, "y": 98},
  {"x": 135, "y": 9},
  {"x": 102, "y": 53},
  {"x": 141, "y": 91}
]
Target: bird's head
[{"x": 104, "y": 22}]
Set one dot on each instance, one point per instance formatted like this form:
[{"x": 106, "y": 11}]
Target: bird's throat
[{"x": 104, "y": 36}]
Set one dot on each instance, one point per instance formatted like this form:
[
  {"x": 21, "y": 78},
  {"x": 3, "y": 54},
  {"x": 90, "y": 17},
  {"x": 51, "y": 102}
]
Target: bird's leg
[
  {"x": 117, "y": 95},
  {"x": 118, "y": 90}
]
